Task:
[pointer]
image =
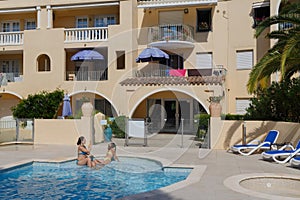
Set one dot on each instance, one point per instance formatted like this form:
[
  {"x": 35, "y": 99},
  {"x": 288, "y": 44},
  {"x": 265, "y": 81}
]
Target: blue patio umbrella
[
  {"x": 152, "y": 54},
  {"x": 87, "y": 55},
  {"x": 67, "y": 110}
]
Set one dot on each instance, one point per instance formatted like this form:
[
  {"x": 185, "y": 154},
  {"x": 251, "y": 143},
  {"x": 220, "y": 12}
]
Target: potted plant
[{"x": 215, "y": 107}]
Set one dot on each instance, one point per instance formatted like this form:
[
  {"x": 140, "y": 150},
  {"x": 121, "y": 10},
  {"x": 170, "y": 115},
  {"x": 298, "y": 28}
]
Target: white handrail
[
  {"x": 11, "y": 38},
  {"x": 86, "y": 34}
]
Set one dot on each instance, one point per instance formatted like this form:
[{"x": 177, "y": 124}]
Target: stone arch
[
  {"x": 8, "y": 99},
  {"x": 92, "y": 94}
]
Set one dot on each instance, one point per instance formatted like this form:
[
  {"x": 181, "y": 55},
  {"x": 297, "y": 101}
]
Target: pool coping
[{"x": 233, "y": 183}]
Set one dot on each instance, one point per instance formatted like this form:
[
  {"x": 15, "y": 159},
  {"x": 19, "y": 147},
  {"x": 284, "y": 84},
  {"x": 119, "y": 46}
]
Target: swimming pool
[{"x": 41, "y": 180}]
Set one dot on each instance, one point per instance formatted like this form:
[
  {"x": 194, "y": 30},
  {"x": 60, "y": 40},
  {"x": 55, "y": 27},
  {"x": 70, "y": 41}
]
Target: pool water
[{"x": 69, "y": 181}]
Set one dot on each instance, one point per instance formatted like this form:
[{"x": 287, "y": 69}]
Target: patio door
[{"x": 171, "y": 116}]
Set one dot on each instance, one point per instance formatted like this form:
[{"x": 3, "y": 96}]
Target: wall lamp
[{"x": 186, "y": 10}]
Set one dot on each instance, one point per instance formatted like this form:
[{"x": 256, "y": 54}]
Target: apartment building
[{"x": 211, "y": 47}]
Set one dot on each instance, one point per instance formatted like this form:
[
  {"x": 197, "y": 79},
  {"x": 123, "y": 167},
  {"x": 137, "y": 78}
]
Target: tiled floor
[{"x": 216, "y": 165}]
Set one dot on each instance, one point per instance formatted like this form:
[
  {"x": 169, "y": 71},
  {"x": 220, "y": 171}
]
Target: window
[
  {"x": 260, "y": 13},
  {"x": 103, "y": 106},
  {"x": 244, "y": 59},
  {"x": 120, "y": 59},
  {"x": 175, "y": 61},
  {"x": 242, "y": 105},
  {"x": 203, "y": 20},
  {"x": 30, "y": 24},
  {"x": 10, "y": 26},
  {"x": 43, "y": 62},
  {"x": 9, "y": 66},
  {"x": 82, "y": 22},
  {"x": 104, "y": 21}
]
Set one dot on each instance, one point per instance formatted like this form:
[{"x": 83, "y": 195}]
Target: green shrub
[
  {"x": 279, "y": 102},
  {"x": 202, "y": 124},
  {"x": 234, "y": 117},
  {"x": 118, "y": 126},
  {"x": 43, "y": 105}
]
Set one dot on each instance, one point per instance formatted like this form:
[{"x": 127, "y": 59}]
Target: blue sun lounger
[
  {"x": 277, "y": 155},
  {"x": 251, "y": 147}
]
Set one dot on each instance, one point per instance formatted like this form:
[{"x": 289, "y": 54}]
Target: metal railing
[
  {"x": 165, "y": 71},
  {"x": 288, "y": 25},
  {"x": 11, "y": 38},
  {"x": 167, "y": 32},
  {"x": 87, "y": 75},
  {"x": 10, "y": 77},
  {"x": 86, "y": 34},
  {"x": 16, "y": 130}
]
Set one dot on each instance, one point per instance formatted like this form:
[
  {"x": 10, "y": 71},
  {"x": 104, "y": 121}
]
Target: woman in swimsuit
[
  {"x": 111, "y": 154},
  {"x": 84, "y": 156}
]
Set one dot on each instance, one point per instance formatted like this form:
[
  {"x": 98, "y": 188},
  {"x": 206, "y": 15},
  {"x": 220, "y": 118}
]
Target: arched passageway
[{"x": 169, "y": 111}]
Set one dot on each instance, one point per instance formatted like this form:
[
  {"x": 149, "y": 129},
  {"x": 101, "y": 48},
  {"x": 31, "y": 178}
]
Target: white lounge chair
[
  {"x": 251, "y": 147},
  {"x": 286, "y": 152}
]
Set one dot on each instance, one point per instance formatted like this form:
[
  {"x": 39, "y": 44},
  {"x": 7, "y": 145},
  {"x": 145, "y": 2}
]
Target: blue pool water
[{"x": 69, "y": 181}]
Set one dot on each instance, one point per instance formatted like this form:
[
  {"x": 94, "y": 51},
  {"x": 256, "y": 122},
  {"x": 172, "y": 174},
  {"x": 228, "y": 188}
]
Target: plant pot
[
  {"x": 87, "y": 109},
  {"x": 215, "y": 109}
]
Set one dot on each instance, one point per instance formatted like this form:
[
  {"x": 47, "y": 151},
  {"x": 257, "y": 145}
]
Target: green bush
[
  {"x": 234, "y": 117},
  {"x": 118, "y": 126},
  {"x": 43, "y": 105},
  {"x": 279, "y": 102},
  {"x": 202, "y": 125}
]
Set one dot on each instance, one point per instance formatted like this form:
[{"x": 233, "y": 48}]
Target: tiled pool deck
[{"x": 212, "y": 168}]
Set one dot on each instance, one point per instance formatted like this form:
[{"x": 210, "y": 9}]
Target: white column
[
  {"x": 38, "y": 8},
  {"x": 50, "y": 19}
]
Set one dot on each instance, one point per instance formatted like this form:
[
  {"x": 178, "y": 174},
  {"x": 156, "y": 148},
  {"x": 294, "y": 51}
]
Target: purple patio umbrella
[
  {"x": 87, "y": 55},
  {"x": 67, "y": 110},
  {"x": 151, "y": 54}
]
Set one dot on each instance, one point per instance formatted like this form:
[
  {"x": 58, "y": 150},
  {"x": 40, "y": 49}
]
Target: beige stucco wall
[
  {"x": 226, "y": 133},
  {"x": 232, "y": 30},
  {"x": 59, "y": 131}
]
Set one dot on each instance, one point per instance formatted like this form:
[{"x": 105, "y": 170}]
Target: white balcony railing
[
  {"x": 166, "y": 32},
  {"x": 11, "y": 38},
  {"x": 86, "y": 34}
]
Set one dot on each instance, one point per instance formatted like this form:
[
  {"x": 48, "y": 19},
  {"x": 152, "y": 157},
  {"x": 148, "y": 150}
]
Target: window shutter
[
  {"x": 244, "y": 59},
  {"x": 204, "y": 60},
  {"x": 242, "y": 105}
]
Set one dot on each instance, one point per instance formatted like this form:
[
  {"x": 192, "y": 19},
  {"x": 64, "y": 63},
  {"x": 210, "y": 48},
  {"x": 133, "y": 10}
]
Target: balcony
[
  {"x": 164, "y": 71},
  {"x": 94, "y": 34},
  {"x": 11, "y": 38},
  {"x": 171, "y": 36},
  {"x": 6, "y": 78},
  {"x": 99, "y": 75}
]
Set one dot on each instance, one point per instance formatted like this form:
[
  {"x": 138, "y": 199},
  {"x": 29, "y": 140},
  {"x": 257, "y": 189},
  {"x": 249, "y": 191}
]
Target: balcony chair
[{"x": 251, "y": 147}]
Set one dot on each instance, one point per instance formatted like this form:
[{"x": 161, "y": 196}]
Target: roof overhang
[
  {"x": 87, "y": 5},
  {"x": 261, "y": 4},
  {"x": 172, "y": 3}
]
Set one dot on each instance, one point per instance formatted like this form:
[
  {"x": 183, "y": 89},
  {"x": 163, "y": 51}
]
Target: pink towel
[{"x": 177, "y": 72}]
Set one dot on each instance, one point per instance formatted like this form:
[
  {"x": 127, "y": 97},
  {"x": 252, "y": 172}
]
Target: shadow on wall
[{"x": 259, "y": 130}]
